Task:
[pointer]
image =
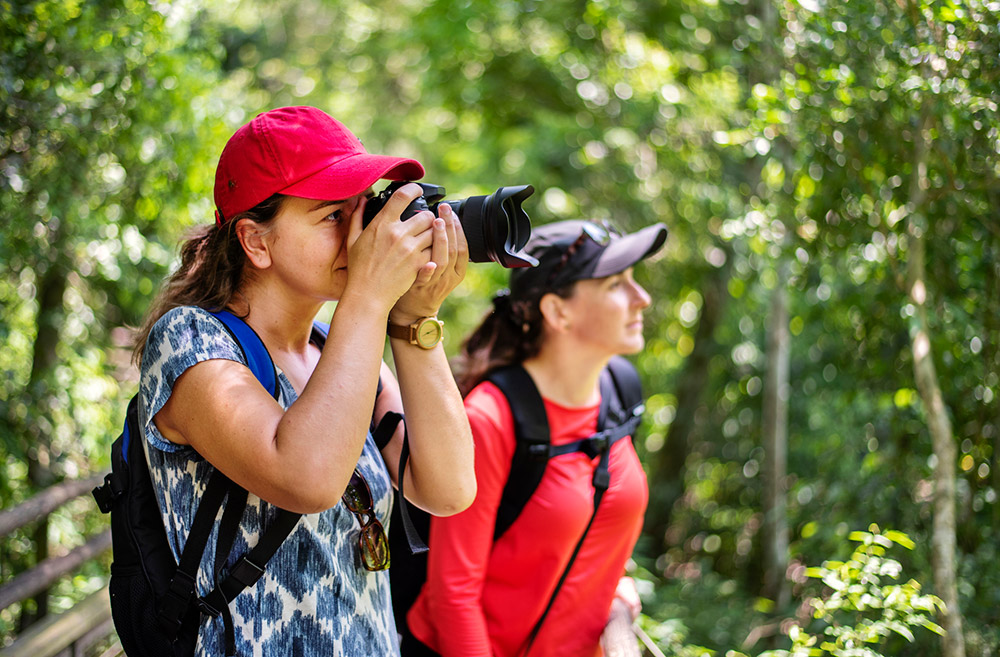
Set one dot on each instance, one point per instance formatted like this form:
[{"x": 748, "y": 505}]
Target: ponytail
[
  {"x": 510, "y": 333},
  {"x": 211, "y": 272}
]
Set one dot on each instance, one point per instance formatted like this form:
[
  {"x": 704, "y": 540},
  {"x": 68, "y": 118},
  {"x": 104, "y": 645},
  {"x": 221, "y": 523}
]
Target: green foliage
[
  {"x": 863, "y": 607},
  {"x": 104, "y": 128}
]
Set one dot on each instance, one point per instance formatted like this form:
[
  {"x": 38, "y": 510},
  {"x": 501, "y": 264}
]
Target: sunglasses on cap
[
  {"x": 600, "y": 233},
  {"x": 372, "y": 541}
]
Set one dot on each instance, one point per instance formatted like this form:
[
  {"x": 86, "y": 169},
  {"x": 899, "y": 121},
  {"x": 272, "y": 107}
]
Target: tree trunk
[
  {"x": 775, "y": 440},
  {"x": 938, "y": 420},
  {"x": 774, "y": 421},
  {"x": 51, "y": 289}
]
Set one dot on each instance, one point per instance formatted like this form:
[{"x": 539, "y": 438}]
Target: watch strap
[{"x": 400, "y": 331}]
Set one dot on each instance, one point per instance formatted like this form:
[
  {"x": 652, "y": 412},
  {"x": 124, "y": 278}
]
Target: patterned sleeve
[{"x": 183, "y": 337}]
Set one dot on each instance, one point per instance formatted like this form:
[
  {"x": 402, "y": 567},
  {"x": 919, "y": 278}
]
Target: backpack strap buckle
[
  {"x": 106, "y": 494},
  {"x": 595, "y": 445},
  {"x": 215, "y": 604},
  {"x": 176, "y": 600},
  {"x": 602, "y": 478},
  {"x": 246, "y": 572},
  {"x": 538, "y": 451},
  {"x": 204, "y": 604}
]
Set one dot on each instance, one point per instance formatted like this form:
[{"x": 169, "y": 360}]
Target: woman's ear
[
  {"x": 252, "y": 238},
  {"x": 554, "y": 312}
]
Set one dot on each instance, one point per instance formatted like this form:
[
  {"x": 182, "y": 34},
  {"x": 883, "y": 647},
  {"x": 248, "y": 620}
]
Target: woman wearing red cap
[
  {"x": 543, "y": 583},
  {"x": 290, "y": 189}
]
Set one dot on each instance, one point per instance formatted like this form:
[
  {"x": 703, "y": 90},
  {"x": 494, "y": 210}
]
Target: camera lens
[{"x": 495, "y": 226}]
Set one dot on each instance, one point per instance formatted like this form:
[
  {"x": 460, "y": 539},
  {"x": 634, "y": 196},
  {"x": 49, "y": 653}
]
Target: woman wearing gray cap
[{"x": 533, "y": 566}]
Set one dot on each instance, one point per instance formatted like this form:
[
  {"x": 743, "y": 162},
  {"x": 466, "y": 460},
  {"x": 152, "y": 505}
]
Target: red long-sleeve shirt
[{"x": 482, "y": 599}]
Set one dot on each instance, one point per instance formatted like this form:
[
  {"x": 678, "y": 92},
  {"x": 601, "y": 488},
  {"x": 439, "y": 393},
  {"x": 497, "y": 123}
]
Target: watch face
[{"x": 428, "y": 333}]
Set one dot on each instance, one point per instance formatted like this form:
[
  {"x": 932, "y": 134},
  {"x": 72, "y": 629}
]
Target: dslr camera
[{"x": 495, "y": 226}]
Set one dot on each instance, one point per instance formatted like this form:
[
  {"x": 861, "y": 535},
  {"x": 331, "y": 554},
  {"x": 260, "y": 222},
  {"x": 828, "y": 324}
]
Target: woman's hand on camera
[
  {"x": 449, "y": 256},
  {"x": 387, "y": 256}
]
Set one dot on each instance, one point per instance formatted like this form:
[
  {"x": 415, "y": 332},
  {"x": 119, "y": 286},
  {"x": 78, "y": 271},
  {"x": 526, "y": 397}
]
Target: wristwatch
[{"x": 425, "y": 333}]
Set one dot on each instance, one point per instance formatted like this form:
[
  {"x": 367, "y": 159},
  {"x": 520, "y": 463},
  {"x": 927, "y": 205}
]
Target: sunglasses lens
[
  {"x": 356, "y": 496},
  {"x": 600, "y": 234},
  {"x": 374, "y": 547},
  {"x": 372, "y": 542}
]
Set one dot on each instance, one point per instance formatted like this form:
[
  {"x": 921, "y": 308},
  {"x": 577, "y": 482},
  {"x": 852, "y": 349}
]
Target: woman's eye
[{"x": 335, "y": 216}]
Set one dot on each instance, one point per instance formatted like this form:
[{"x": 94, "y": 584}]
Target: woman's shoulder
[
  {"x": 180, "y": 339},
  {"x": 180, "y": 315},
  {"x": 192, "y": 333},
  {"x": 486, "y": 402},
  {"x": 486, "y": 393}
]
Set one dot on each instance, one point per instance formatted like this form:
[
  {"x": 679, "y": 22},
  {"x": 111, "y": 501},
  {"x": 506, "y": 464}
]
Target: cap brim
[
  {"x": 626, "y": 251},
  {"x": 352, "y": 175}
]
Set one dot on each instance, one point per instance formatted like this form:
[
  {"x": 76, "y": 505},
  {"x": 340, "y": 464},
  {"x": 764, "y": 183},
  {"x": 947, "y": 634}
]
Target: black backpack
[
  {"x": 619, "y": 416},
  {"x": 154, "y": 604}
]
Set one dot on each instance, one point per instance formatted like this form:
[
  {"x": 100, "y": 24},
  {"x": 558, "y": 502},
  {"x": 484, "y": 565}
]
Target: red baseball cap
[{"x": 299, "y": 151}]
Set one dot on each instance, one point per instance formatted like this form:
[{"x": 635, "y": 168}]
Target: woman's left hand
[
  {"x": 437, "y": 279},
  {"x": 628, "y": 594}
]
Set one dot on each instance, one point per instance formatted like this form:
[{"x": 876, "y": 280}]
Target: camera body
[
  {"x": 495, "y": 226},
  {"x": 426, "y": 201}
]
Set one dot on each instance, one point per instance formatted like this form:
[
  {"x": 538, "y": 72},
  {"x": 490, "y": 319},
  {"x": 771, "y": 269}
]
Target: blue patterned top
[{"x": 315, "y": 598}]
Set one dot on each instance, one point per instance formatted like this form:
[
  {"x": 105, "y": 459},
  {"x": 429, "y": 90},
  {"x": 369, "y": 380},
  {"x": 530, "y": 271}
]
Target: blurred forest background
[{"x": 823, "y": 349}]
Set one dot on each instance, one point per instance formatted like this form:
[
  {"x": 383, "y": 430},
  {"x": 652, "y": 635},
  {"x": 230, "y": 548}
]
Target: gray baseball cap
[{"x": 574, "y": 250}]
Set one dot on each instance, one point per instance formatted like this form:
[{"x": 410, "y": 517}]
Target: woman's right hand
[{"x": 388, "y": 256}]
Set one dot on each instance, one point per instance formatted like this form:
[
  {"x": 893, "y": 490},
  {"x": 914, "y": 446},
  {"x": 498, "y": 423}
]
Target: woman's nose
[{"x": 642, "y": 298}]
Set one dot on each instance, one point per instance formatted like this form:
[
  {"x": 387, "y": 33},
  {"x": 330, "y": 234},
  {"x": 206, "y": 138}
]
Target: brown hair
[
  {"x": 510, "y": 333},
  {"x": 212, "y": 270}
]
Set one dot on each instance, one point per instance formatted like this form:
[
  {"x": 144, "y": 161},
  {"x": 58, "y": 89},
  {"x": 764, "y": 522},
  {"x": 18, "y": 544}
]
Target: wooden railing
[{"x": 87, "y": 625}]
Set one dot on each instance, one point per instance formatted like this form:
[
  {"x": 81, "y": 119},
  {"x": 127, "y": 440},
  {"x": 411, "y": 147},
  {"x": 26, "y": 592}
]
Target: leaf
[{"x": 900, "y": 538}]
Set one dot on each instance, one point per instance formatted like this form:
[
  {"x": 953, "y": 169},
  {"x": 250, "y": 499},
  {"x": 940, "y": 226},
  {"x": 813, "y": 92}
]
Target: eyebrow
[{"x": 323, "y": 204}]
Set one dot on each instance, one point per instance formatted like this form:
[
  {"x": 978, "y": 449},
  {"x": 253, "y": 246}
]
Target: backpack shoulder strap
[
  {"x": 531, "y": 431},
  {"x": 625, "y": 379},
  {"x": 253, "y": 348}
]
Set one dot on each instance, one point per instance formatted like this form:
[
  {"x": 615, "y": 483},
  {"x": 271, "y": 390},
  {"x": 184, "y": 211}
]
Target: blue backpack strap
[
  {"x": 258, "y": 360},
  {"x": 320, "y": 331}
]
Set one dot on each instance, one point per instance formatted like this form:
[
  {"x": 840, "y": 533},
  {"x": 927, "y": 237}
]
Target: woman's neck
[
  {"x": 566, "y": 377},
  {"x": 283, "y": 325}
]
